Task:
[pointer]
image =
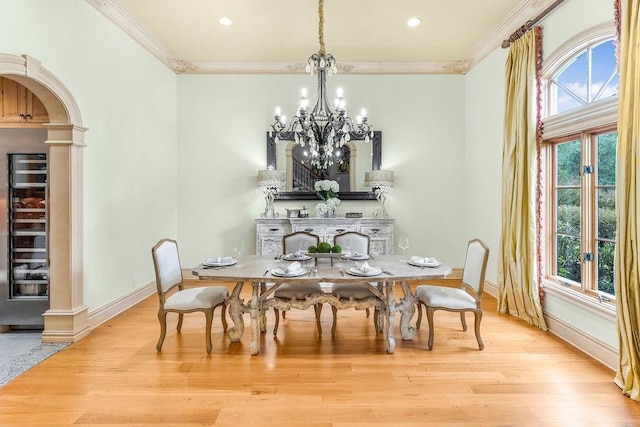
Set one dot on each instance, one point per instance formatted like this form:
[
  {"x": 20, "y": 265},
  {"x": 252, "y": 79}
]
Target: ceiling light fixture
[
  {"x": 414, "y": 22},
  {"x": 324, "y": 129},
  {"x": 225, "y": 21}
]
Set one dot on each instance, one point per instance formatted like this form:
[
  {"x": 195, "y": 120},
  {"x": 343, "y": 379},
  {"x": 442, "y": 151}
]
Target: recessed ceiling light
[
  {"x": 225, "y": 21},
  {"x": 414, "y": 22}
]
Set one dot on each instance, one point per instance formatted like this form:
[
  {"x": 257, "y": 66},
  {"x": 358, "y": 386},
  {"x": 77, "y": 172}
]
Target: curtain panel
[
  {"x": 627, "y": 258},
  {"x": 519, "y": 254}
]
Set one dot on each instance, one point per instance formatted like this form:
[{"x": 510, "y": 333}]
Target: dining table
[{"x": 261, "y": 270}]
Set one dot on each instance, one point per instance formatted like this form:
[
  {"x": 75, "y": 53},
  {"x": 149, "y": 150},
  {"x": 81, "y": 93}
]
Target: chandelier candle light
[
  {"x": 324, "y": 129},
  {"x": 380, "y": 181},
  {"x": 270, "y": 180}
]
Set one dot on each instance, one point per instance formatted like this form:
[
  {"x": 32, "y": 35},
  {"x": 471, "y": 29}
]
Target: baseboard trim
[
  {"x": 491, "y": 288},
  {"x": 100, "y": 315},
  {"x": 593, "y": 347},
  {"x": 589, "y": 345}
]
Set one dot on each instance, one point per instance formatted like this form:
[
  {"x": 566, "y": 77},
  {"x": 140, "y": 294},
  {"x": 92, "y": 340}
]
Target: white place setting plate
[
  {"x": 280, "y": 272},
  {"x": 219, "y": 262},
  {"x": 355, "y": 257},
  {"x": 424, "y": 262},
  {"x": 295, "y": 257},
  {"x": 374, "y": 271}
]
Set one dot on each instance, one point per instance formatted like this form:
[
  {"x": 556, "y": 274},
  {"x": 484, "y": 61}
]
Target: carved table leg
[
  {"x": 390, "y": 310},
  {"x": 408, "y": 307},
  {"x": 263, "y": 311},
  {"x": 254, "y": 309},
  {"x": 236, "y": 310}
]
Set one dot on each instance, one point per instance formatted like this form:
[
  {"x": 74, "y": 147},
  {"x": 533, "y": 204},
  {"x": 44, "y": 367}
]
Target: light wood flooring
[{"x": 115, "y": 377}]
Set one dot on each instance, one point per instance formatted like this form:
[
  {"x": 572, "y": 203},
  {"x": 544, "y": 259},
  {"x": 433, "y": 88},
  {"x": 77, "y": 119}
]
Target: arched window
[
  {"x": 579, "y": 143},
  {"x": 588, "y": 76}
]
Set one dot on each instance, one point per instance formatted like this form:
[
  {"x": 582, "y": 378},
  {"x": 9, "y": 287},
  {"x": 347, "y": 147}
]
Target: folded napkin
[
  {"x": 424, "y": 260},
  {"x": 218, "y": 260},
  {"x": 293, "y": 267},
  {"x": 365, "y": 267}
]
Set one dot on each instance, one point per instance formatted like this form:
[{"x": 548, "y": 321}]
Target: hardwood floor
[{"x": 116, "y": 377}]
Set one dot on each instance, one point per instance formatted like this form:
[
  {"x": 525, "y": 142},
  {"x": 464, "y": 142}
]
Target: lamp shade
[
  {"x": 270, "y": 178},
  {"x": 379, "y": 178}
]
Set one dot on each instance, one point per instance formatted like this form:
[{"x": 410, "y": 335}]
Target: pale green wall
[
  {"x": 222, "y": 126},
  {"x": 483, "y": 152},
  {"x": 484, "y": 106},
  {"x": 127, "y": 99}
]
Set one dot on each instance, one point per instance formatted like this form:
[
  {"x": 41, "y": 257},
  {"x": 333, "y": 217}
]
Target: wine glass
[
  {"x": 347, "y": 245},
  {"x": 301, "y": 254},
  {"x": 375, "y": 249},
  {"x": 239, "y": 248},
  {"x": 404, "y": 244}
]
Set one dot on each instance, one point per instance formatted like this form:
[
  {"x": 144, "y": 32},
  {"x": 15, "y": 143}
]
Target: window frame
[{"x": 588, "y": 213}]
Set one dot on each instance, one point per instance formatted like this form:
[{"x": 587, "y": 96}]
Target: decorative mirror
[{"x": 357, "y": 157}]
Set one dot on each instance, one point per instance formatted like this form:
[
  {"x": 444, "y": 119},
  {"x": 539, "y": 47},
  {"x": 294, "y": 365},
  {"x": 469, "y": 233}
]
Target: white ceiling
[{"x": 275, "y": 36}]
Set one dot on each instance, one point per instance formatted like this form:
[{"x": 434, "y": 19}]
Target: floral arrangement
[{"x": 327, "y": 190}]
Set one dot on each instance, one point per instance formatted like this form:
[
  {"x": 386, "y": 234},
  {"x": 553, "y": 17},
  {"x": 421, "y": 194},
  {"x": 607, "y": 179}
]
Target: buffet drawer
[
  {"x": 272, "y": 230},
  {"x": 377, "y": 230},
  {"x": 317, "y": 230},
  {"x": 337, "y": 229}
]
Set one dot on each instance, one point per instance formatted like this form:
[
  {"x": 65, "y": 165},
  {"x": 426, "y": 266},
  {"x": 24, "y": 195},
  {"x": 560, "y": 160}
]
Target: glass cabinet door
[{"x": 29, "y": 276}]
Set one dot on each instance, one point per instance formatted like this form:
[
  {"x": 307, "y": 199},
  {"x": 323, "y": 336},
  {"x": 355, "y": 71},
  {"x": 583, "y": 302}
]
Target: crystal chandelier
[{"x": 323, "y": 129}]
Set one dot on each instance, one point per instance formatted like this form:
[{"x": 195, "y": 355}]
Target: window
[
  {"x": 584, "y": 212},
  {"x": 589, "y": 76},
  {"x": 579, "y": 143}
]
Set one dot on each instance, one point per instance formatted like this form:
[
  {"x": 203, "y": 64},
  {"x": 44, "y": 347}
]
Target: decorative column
[{"x": 66, "y": 320}]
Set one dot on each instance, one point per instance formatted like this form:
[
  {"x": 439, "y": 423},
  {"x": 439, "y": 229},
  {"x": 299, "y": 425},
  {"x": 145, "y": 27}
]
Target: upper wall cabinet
[{"x": 19, "y": 105}]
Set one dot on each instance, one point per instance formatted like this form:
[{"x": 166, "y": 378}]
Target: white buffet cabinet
[{"x": 269, "y": 232}]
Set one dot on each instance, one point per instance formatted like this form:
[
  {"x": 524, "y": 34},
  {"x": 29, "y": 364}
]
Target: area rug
[{"x": 28, "y": 360}]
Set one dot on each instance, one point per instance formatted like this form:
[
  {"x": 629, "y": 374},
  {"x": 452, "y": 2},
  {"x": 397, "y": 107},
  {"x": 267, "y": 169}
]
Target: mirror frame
[{"x": 376, "y": 162}]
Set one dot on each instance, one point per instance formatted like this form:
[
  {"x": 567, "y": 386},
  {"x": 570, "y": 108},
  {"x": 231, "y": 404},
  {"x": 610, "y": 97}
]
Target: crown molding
[
  {"x": 523, "y": 12},
  {"x": 345, "y": 68},
  {"x": 117, "y": 13}
]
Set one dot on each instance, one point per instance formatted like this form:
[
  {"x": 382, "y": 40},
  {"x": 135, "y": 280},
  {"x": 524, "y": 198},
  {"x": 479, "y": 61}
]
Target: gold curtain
[
  {"x": 627, "y": 259},
  {"x": 517, "y": 273}
]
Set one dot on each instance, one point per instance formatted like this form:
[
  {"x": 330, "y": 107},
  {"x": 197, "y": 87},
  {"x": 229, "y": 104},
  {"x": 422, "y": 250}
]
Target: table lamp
[
  {"x": 380, "y": 181},
  {"x": 270, "y": 180}
]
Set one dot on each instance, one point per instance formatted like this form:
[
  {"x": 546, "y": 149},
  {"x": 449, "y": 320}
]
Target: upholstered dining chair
[
  {"x": 466, "y": 298},
  {"x": 354, "y": 242},
  {"x": 298, "y": 291},
  {"x": 175, "y": 298}
]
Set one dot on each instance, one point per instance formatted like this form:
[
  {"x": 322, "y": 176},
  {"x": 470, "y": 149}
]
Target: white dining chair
[
  {"x": 298, "y": 291},
  {"x": 466, "y": 298},
  {"x": 175, "y": 298},
  {"x": 357, "y": 292}
]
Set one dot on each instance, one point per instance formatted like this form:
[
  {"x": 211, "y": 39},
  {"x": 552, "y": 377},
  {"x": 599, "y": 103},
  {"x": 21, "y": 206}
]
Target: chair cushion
[
  {"x": 442, "y": 296},
  {"x": 202, "y": 297},
  {"x": 297, "y": 290},
  {"x": 351, "y": 290}
]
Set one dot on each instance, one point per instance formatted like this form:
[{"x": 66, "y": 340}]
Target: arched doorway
[{"x": 66, "y": 320}]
